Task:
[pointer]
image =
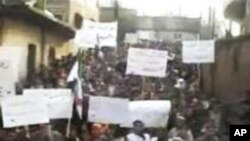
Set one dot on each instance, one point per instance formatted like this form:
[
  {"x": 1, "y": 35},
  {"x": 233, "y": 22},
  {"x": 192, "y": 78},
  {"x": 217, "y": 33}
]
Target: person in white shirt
[{"x": 138, "y": 133}]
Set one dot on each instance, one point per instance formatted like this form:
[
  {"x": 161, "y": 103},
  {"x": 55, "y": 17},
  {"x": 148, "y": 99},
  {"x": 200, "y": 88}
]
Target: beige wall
[
  {"x": 81, "y": 7},
  {"x": 17, "y": 33}
]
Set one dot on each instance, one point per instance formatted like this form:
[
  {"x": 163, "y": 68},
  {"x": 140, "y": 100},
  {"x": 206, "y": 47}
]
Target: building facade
[
  {"x": 35, "y": 33},
  {"x": 74, "y": 11},
  {"x": 239, "y": 11},
  {"x": 168, "y": 28}
]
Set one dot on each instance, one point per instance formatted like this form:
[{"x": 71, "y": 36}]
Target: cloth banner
[
  {"x": 59, "y": 101},
  {"x": 147, "y": 62},
  {"x": 24, "y": 110},
  {"x": 153, "y": 114},
  {"x": 108, "y": 110},
  {"x": 93, "y": 33},
  {"x": 87, "y": 36},
  {"x": 107, "y": 34},
  {"x": 198, "y": 52}
]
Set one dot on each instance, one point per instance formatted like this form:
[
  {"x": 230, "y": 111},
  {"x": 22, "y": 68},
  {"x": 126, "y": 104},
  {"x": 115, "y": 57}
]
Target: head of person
[
  {"x": 138, "y": 126},
  {"x": 96, "y": 130},
  {"x": 180, "y": 121}
]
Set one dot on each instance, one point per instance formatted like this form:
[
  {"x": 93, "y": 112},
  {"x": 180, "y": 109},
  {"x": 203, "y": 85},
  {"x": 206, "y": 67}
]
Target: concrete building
[
  {"x": 126, "y": 19},
  {"x": 168, "y": 28},
  {"x": 74, "y": 11},
  {"x": 37, "y": 34},
  {"x": 238, "y": 11}
]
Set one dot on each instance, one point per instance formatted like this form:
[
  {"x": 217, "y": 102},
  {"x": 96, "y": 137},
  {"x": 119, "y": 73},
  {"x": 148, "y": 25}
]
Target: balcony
[{"x": 235, "y": 9}]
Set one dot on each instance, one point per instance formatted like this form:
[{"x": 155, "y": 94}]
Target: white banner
[
  {"x": 153, "y": 114},
  {"x": 87, "y": 36},
  {"x": 93, "y": 33},
  {"x": 59, "y": 101},
  {"x": 147, "y": 62},
  {"x": 131, "y": 38},
  {"x": 107, "y": 34},
  {"x": 198, "y": 51},
  {"x": 7, "y": 83},
  {"x": 24, "y": 110},
  {"x": 108, "y": 110}
]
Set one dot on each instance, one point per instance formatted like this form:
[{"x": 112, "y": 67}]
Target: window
[
  {"x": 31, "y": 62},
  {"x": 78, "y": 21}
]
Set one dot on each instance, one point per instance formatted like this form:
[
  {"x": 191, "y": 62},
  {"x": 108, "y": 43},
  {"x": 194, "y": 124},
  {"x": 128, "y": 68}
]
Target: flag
[{"x": 74, "y": 76}]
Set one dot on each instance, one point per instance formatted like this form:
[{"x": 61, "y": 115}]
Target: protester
[
  {"x": 46, "y": 134},
  {"x": 103, "y": 73},
  {"x": 138, "y": 132},
  {"x": 180, "y": 132}
]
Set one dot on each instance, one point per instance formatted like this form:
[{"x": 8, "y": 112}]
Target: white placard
[
  {"x": 153, "y": 114},
  {"x": 7, "y": 83},
  {"x": 108, "y": 110},
  {"x": 147, "y": 62},
  {"x": 198, "y": 51},
  {"x": 87, "y": 36},
  {"x": 131, "y": 38},
  {"x": 24, "y": 110},
  {"x": 59, "y": 101},
  {"x": 107, "y": 34}
]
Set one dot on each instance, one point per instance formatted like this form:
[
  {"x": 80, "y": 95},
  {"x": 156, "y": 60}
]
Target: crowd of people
[{"x": 194, "y": 116}]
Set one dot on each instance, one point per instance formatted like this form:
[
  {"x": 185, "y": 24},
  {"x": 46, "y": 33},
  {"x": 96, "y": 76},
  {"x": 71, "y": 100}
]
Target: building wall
[
  {"x": 68, "y": 8},
  {"x": 229, "y": 77},
  {"x": 167, "y": 35},
  {"x": 59, "y": 8},
  {"x": 17, "y": 33}
]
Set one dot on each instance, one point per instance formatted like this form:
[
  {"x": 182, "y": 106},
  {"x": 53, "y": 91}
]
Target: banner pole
[
  {"x": 68, "y": 128},
  {"x": 27, "y": 130}
]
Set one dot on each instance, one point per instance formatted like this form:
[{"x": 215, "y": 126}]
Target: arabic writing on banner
[
  {"x": 198, "y": 52},
  {"x": 93, "y": 33},
  {"x": 7, "y": 83},
  {"x": 108, "y": 110},
  {"x": 147, "y": 62},
  {"x": 59, "y": 101},
  {"x": 24, "y": 110},
  {"x": 87, "y": 36},
  {"x": 153, "y": 114},
  {"x": 107, "y": 34}
]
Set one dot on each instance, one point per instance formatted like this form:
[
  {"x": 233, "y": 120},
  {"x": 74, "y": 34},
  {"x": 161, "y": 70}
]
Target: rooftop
[
  {"x": 181, "y": 24},
  {"x": 37, "y": 17}
]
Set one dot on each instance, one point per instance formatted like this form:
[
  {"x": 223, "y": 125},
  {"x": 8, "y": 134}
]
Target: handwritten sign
[
  {"x": 7, "y": 83},
  {"x": 23, "y": 110},
  {"x": 151, "y": 113},
  {"x": 198, "y": 52},
  {"x": 59, "y": 101},
  {"x": 147, "y": 62},
  {"x": 108, "y": 110},
  {"x": 87, "y": 36},
  {"x": 107, "y": 34},
  {"x": 93, "y": 33}
]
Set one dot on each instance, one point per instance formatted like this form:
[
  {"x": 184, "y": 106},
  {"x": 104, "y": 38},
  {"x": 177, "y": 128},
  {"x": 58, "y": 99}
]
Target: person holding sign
[{"x": 138, "y": 132}]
